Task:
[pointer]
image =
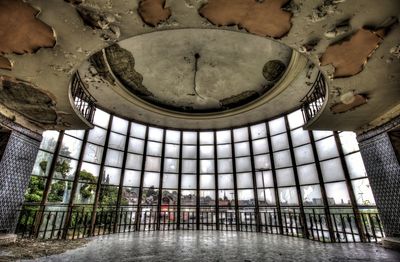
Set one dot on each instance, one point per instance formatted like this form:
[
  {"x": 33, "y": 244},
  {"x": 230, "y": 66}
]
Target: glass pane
[
  {"x": 171, "y": 150},
  {"x": 132, "y": 178},
  {"x": 190, "y": 138},
  {"x": 154, "y": 148},
  {"x": 225, "y": 181},
  {"x": 264, "y": 179},
  {"x": 288, "y": 196},
  {"x": 223, "y": 137},
  {"x": 304, "y": 154},
  {"x": 117, "y": 141},
  {"x": 349, "y": 142},
  {"x": 246, "y": 197},
  {"x": 151, "y": 179},
  {"x": 114, "y": 158},
  {"x": 326, "y": 148},
  {"x": 226, "y": 198},
  {"x": 207, "y": 181},
  {"x": 85, "y": 193},
  {"x": 262, "y": 162},
  {"x": 260, "y": 146},
  {"x": 337, "y": 194},
  {"x": 300, "y": 137},
  {"x": 307, "y": 174},
  {"x": 282, "y": 159},
  {"x": 134, "y": 161},
  {"x": 75, "y": 133},
  {"x": 89, "y": 172},
  {"x": 277, "y": 126},
  {"x": 188, "y": 198},
  {"x": 65, "y": 168},
  {"x": 171, "y": 165},
  {"x": 188, "y": 166},
  {"x": 49, "y": 140},
  {"x": 207, "y": 198},
  {"x": 71, "y": 147},
  {"x": 243, "y": 164},
  {"x": 101, "y": 118},
  {"x": 206, "y": 138},
  {"x": 136, "y": 145},
  {"x": 242, "y": 149},
  {"x": 258, "y": 131},
  {"x": 130, "y": 196},
  {"x": 224, "y": 151},
  {"x": 93, "y": 153},
  {"x": 119, "y": 125},
  {"x": 332, "y": 170},
  {"x": 311, "y": 195},
  {"x": 150, "y": 196},
  {"x": 42, "y": 164},
  {"x": 156, "y": 134},
  {"x": 206, "y": 151},
  {"x": 363, "y": 192},
  {"x": 241, "y": 134},
  {"x": 153, "y": 163},
  {"x": 207, "y": 166},
  {"x": 189, "y": 151},
  {"x": 279, "y": 142},
  {"x": 266, "y": 197},
  {"x": 225, "y": 166},
  {"x": 173, "y": 136},
  {"x": 285, "y": 177},
  {"x": 321, "y": 134},
  {"x": 138, "y": 130},
  {"x": 112, "y": 176},
  {"x": 355, "y": 165},
  {"x": 60, "y": 192},
  {"x": 189, "y": 181},
  {"x": 244, "y": 180},
  {"x": 295, "y": 119},
  {"x": 170, "y": 180},
  {"x": 97, "y": 135}
]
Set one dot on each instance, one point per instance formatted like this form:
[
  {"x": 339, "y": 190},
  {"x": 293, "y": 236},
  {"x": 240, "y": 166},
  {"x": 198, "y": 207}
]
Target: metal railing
[
  {"x": 36, "y": 222},
  {"x": 315, "y": 98},
  {"x": 83, "y": 100}
]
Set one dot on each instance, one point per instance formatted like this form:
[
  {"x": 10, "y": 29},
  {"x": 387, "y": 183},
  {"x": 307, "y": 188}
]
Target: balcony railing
[
  {"x": 314, "y": 100},
  {"x": 340, "y": 226},
  {"x": 83, "y": 100}
]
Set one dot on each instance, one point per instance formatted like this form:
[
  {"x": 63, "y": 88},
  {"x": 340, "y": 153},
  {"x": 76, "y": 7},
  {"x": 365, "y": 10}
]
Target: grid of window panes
[{"x": 213, "y": 168}]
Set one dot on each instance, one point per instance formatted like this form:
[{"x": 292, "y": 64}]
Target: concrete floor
[{"x": 219, "y": 246}]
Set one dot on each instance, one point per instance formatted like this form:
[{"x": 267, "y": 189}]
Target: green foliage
[
  {"x": 43, "y": 165},
  {"x": 86, "y": 190},
  {"x": 63, "y": 167},
  {"x": 57, "y": 191},
  {"x": 35, "y": 189}
]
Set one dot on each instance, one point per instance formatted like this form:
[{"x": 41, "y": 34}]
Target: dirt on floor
[{"x": 34, "y": 248}]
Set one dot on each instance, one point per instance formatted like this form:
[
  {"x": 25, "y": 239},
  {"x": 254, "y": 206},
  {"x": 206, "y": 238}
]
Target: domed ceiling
[
  {"x": 196, "y": 74},
  {"x": 195, "y": 71}
]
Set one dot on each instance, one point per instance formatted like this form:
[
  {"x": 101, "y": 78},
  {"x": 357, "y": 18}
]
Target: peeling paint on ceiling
[
  {"x": 357, "y": 100},
  {"x": 153, "y": 12},
  {"x": 349, "y": 57},
  {"x": 265, "y": 18},
  {"x": 36, "y": 105},
  {"x": 21, "y": 31},
  {"x": 5, "y": 63}
]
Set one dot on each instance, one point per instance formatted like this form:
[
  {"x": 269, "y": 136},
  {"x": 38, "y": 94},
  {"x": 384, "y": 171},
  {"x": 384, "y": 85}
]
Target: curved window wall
[{"x": 272, "y": 177}]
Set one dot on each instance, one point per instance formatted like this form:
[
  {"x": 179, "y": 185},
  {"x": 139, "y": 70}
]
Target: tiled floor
[{"x": 219, "y": 246}]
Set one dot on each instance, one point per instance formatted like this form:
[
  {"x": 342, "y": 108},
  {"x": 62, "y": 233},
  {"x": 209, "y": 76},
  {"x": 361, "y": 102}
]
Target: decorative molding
[
  {"x": 10, "y": 124},
  {"x": 379, "y": 130}
]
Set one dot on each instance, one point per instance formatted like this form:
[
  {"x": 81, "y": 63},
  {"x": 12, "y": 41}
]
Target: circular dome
[{"x": 175, "y": 77}]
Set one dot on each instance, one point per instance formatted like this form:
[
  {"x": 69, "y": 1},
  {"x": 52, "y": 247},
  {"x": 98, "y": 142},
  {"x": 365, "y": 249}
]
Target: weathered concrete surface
[
  {"x": 51, "y": 68},
  {"x": 219, "y": 246},
  {"x": 357, "y": 100},
  {"x": 5, "y": 63}
]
